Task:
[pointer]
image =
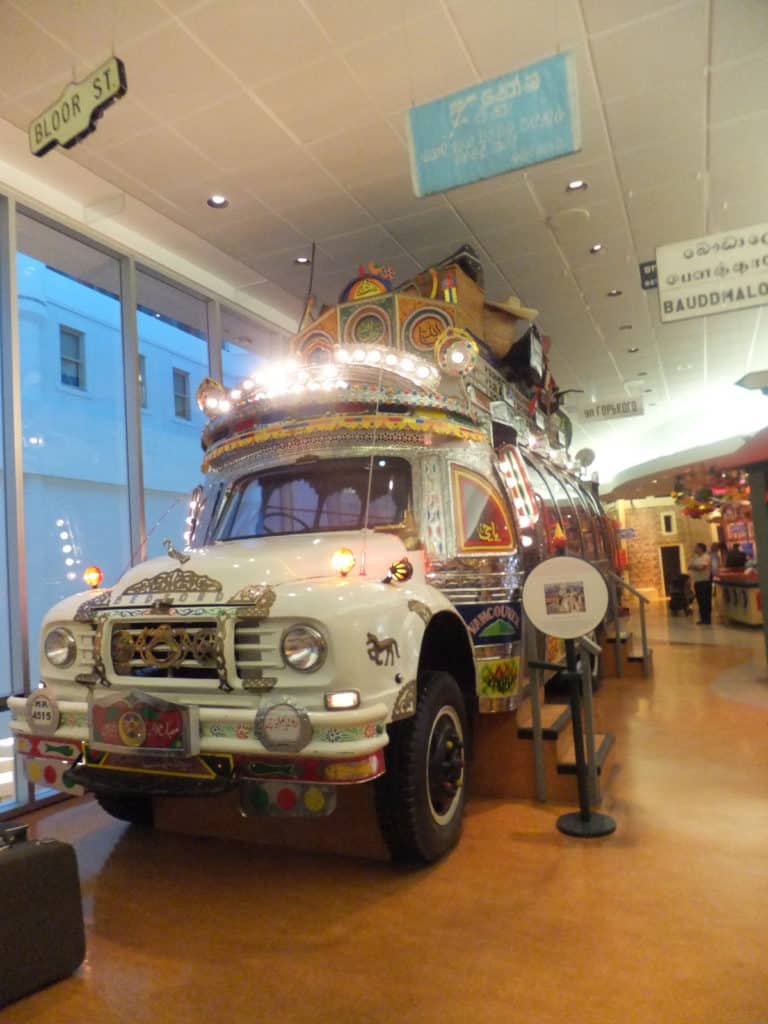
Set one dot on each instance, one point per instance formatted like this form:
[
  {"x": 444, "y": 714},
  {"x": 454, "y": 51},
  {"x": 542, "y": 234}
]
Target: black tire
[
  {"x": 420, "y": 799},
  {"x": 138, "y": 810}
]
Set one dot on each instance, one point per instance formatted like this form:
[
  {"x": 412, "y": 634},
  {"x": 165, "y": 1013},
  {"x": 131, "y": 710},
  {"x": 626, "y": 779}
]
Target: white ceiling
[{"x": 295, "y": 109}]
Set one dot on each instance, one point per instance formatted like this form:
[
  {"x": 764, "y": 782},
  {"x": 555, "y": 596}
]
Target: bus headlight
[
  {"x": 303, "y": 648},
  {"x": 60, "y": 647}
]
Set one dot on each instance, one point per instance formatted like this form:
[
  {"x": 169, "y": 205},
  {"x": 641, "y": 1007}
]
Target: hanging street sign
[
  {"x": 78, "y": 108},
  {"x": 612, "y": 409},
  {"x": 649, "y": 275},
  {"x": 715, "y": 274},
  {"x": 521, "y": 118}
]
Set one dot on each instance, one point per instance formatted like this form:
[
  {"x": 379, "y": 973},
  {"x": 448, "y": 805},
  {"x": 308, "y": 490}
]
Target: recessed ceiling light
[
  {"x": 648, "y": 390},
  {"x": 634, "y": 349},
  {"x": 642, "y": 373},
  {"x": 625, "y": 327},
  {"x": 575, "y": 185},
  {"x": 614, "y": 292},
  {"x": 302, "y": 259},
  {"x": 217, "y": 202},
  {"x": 597, "y": 247}
]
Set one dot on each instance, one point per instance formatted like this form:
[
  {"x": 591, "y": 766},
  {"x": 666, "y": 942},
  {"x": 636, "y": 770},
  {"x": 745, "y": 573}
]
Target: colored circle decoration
[
  {"x": 367, "y": 326},
  {"x": 456, "y": 352},
  {"x": 424, "y": 327}
]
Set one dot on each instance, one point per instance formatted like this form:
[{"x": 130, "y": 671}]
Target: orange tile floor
[{"x": 666, "y": 921}]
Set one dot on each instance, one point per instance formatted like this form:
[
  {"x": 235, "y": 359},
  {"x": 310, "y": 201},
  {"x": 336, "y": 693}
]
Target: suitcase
[{"x": 42, "y": 938}]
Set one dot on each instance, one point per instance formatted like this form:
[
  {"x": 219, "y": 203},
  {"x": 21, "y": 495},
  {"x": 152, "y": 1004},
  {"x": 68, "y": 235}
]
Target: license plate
[{"x": 139, "y": 723}]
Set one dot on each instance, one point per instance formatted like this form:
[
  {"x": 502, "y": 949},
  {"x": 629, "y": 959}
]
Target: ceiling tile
[
  {"x": 356, "y": 247},
  {"x": 437, "y": 225},
  {"x": 258, "y": 41},
  {"x": 493, "y": 211},
  {"x": 601, "y": 16},
  {"x": 739, "y": 29},
  {"x": 33, "y": 59},
  {"x": 328, "y": 216},
  {"x": 158, "y": 158},
  {"x": 669, "y": 213},
  {"x": 234, "y": 132},
  {"x": 390, "y": 198},
  {"x": 342, "y": 21},
  {"x": 100, "y": 28},
  {"x": 316, "y": 112},
  {"x": 549, "y": 183},
  {"x": 740, "y": 88},
  {"x": 168, "y": 72},
  {"x": 664, "y": 161},
  {"x": 362, "y": 154},
  {"x": 639, "y": 57},
  {"x": 413, "y": 63},
  {"x": 282, "y": 178},
  {"x": 658, "y": 113},
  {"x": 547, "y": 29}
]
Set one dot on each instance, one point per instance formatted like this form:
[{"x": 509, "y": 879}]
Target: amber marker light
[
  {"x": 93, "y": 576},
  {"x": 343, "y": 561}
]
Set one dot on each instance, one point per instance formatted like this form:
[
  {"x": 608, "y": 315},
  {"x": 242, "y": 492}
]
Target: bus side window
[
  {"x": 549, "y": 512},
  {"x": 585, "y": 518}
]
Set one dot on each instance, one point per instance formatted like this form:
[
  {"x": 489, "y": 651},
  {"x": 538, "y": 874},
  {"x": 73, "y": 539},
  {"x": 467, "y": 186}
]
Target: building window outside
[
  {"x": 181, "y": 394},
  {"x": 143, "y": 381},
  {"x": 72, "y": 350}
]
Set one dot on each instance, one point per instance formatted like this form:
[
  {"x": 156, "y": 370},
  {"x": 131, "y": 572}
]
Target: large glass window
[
  {"x": 173, "y": 359},
  {"x": 246, "y": 344},
  {"x": 73, "y": 422}
]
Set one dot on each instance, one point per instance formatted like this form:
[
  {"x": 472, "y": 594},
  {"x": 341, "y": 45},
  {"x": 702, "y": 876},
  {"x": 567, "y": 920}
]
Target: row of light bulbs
[{"x": 290, "y": 377}]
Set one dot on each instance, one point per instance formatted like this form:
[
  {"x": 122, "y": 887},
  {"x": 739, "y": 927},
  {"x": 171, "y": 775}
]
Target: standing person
[
  {"x": 700, "y": 569},
  {"x": 736, "y": 558}
]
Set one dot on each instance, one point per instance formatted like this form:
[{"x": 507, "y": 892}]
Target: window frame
[
  {"x": 178, "y": 373},
  {"x": 79, "y": 336}
]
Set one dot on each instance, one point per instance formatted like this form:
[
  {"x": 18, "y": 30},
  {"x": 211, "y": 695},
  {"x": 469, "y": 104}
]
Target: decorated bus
[{"x": 347, "y": 597}]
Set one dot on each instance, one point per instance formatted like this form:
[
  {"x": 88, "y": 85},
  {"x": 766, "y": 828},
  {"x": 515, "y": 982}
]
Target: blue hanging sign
[{"x": 521, "y": 118}]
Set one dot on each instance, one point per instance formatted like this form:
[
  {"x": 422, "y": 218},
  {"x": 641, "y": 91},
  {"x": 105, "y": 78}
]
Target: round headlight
[
  {"x": 303, "y": 648},
  {"x": 60, "y": 647}
]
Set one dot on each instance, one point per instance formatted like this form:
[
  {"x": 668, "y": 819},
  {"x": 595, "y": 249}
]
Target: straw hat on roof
[{"x": 514, "y": 306}]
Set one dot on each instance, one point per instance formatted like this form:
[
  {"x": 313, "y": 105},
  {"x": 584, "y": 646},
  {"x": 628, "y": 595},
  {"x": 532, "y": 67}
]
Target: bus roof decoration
[{"x": 431, "y": 343}]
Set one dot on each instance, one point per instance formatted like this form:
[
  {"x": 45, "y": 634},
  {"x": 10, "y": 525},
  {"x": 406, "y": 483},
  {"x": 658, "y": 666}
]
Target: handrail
[
  {"x": 627, "y": 586},
  {"x": 615, "y": 581}
]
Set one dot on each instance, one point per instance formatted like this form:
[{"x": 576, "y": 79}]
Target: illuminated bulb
[
  {"x": 234, "y": 395},
  {"x": 391, "y": 359},
  {"x": 407, "y": 364},
  {"x": 67, "y": 548},
  {"x": 358, "y": 355},
  {"x": 69, "y": 561},
  {"x": 343, "y": 561},
  {"x": 64, "y": 535},
  {"x": 374, "y": 356},
  {"x": 457, "y": 357},
  {"x": 422, "y": 372},
  {"x": 59, "y": 522},
  {"x": 193, "y": 504},
  {"x": 248, "y": 384},
  {"x": 189, "y": 520},
  {"x": 342, "y": 355},
  {"x": 211, "y": 402},
  {"x": 187, "y": 535},
  {"x": 71, "y": 575},
  {"x": 93, "y": 576},
  {"x": 224, "y": 405},
  {"x": 527, "y": 541}
]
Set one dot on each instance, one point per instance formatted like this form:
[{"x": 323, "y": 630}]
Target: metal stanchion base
[{"x": 595, "y": 826}]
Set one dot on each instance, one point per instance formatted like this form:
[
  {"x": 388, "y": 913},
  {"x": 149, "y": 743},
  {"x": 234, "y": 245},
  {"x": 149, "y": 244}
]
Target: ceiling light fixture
[
  {"x": 614, "y": 292},
  {"x": 302, "y": 259},
  {"x": 642, "y": 373},
  {"x": 625, "y": 327},
  {"x": 648, "y": 391},
  {"x": 597, "y": 247},
  {"x": 217, "y": 202},
  {"x": 634, "y": 349},
  {"x": 575, "y": 185}
]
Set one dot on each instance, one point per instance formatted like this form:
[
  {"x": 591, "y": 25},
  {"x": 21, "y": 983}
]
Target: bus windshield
[{"x": 318, "y": 496}]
